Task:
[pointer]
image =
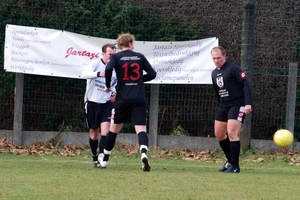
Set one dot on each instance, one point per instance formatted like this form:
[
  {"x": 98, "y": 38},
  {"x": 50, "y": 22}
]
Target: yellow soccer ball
[{"x": 283, "y": 138}]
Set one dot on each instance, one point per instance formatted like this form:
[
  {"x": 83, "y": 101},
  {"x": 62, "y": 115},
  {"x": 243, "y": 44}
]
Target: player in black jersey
[
  {"x": 130, "y": 99},
  {"x": 234, "y": 96}
]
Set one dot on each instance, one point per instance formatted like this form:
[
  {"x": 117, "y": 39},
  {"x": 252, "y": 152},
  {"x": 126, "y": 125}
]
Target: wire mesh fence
[{"x": 52, "y": 102}]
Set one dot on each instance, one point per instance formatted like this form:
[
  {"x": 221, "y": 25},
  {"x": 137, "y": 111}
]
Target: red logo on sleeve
[{"x": 243, "y": 75}]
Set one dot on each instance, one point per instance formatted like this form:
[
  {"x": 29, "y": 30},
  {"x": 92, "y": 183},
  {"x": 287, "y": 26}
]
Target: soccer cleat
[
  {"x": 96, "y": 164},
  {"x": 233, "y": 169},
  {"x": 145, "y": 163},
  {"x": 103, "y": 164},
  {"x": 100, "y": 157},
  {"x": 226, "y": 166}
]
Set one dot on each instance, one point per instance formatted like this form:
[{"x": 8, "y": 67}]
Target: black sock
[
  {"x": 225, "y": 145},
  {"x": 109, "y": 144},
  {"x": 235, "y": 152},
  {"x": 94, "y": 146},
  {"x": 143, "y": 141},
  {"x": 101, "y": 143}
]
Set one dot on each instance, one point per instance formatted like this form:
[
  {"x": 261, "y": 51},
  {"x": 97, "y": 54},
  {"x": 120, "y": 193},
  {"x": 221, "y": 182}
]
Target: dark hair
[{"x": 104, "y": 47}]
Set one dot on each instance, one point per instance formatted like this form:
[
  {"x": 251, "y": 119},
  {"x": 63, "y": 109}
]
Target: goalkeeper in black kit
[
  {"x": 130, "y": 103},
  {"x": 234, "y": 96}
]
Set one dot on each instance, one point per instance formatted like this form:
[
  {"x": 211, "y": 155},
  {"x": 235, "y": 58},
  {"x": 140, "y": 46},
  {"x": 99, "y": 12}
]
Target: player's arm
[
  {"x": 216, "y": 88},
  {"x": 217, "y": 93},
  {"x": 89, "y": 72},
  {"x": 114, "y": 82},
  {"x": 113, "y": 97},
  {"x": 248, "y": 109},
  {"x": 248, "y": 92},
  {"x": 242, "y": 78},
  {"x": 151, "y": 73},
  {"x": 108, "y": 72},
  {"x": 248, "y": 96}
]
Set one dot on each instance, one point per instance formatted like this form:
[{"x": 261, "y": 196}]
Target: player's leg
[
  {"x": 106, "y": 110},
  {"x": 143, "y": 143},
  {"x": 233, "y": 128},
  {"x": 220, "y": 126},
  {"x": 93, "y": 142},
  {"x": 93, "y": 122},
  {"x": 139, "y": 120},
  {"x": 104, "y": 131},
  {"x": 235, "y": 119},
  {"x": 110, "y": 142},
  {"x": 142, "y": 137},
  {"x": 220, "y": 133},
  {"x": 118, "y": 116}
]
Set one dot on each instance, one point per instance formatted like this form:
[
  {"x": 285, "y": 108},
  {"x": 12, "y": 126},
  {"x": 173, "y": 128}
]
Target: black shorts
[
  {"x": 97, "y": 113},
  {"x": 134, "y": 112},
  {"x": 230, "y": 112}
]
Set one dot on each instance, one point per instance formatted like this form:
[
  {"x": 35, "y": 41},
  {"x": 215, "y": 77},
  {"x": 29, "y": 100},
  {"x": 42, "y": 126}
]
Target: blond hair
[{"x": 124, "y": 40}]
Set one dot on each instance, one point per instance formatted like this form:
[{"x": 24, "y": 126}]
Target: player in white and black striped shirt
[{"x": 98, "y": 103}]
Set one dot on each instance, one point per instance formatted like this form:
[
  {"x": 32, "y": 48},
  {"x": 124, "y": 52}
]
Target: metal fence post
[
  {"x": 291, "y": 98},
  {"x": 247, "y": 61},
  {"x": 153, "y": 115},
  {"x": 17, "y": 138}
]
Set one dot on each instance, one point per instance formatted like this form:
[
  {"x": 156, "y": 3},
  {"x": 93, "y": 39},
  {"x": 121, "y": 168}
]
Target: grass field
[{"x": 268, "y": 176}]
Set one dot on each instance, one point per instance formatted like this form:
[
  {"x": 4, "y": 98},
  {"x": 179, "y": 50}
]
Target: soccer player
[
  {"x": 130, "y": 99},
  {"x": 98, "y": 103},
  {"x": 234, "y": 96}
]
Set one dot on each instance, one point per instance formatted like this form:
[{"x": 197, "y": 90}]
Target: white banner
[{"x": 59, "y": 53}]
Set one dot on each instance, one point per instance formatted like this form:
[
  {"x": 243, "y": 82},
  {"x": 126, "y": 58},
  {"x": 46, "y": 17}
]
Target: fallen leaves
[
  {"x": 40, "y": 148},
  {"x": 259, "y": 160},
  {"x": 215, "y": 155}
]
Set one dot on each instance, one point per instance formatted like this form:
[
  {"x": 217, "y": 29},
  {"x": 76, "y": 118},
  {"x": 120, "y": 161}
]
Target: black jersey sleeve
[
  {"x": 242, "y": 78},
  {"x": 248, "y": 92},
  {"x": 150, "y": 72},
  {"x": 109, "y": 70},
  {"x": 216, "y": 89}
]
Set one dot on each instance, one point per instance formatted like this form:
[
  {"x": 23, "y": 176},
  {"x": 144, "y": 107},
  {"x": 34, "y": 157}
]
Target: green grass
[{"x": 171, "y": 177}]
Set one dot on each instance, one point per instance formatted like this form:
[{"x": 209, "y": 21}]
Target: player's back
[{"x": 129, "y": 67}]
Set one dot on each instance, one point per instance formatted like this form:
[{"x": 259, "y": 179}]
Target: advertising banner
[{"x": 59, "y": 53}]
